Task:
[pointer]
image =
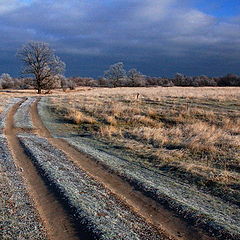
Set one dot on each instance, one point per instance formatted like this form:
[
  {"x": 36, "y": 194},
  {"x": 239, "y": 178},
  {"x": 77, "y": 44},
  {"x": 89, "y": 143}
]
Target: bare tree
[
  {"x": 40, "y": 61},
  {"x": 136, "y": 78},
  {"x": 115, "y": 74}
]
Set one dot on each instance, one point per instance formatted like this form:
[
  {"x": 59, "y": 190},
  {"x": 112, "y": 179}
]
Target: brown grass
[
  {"x": 79, "y": 117},
  {"x": 195, "y": 128}
]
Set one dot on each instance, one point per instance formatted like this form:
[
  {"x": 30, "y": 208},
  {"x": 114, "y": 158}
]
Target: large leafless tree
[{"x": 41, "y": 62}]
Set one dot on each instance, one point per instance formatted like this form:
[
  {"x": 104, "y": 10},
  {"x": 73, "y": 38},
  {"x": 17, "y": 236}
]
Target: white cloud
[
  {"x": 8, "y": 6},
  {"x": 192, "y": 22},
  {"x": 81, "y": 51},
  {"x": 197, "y": 18},
  {"x": 155, "y": 10}
]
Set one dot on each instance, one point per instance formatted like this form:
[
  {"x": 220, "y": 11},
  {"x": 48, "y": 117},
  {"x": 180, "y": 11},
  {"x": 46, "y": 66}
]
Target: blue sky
[
  {"x": 219, "y": 8},
  {"x": 158, "y": 37}
]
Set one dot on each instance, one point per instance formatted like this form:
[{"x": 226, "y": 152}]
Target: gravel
[
  {"x": 95, "y": 209},
  {"x": 22, "y": 118},
  {"x": 18, "y": 218}
]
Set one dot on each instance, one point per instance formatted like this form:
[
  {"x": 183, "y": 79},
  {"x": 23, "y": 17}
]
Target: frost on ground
[
  {"x": 18, "y": 219},
  {"x": 223, "y": 218},
  {"x": 96, "y": 209},
  {"x": 208, "y": 211},
  {"x": 4, "y": 113},
  {"x": 22, "y": 118}
]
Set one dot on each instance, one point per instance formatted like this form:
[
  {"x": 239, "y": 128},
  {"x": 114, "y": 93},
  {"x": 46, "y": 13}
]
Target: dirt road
[
  {"x": 55, "y": 219},
  {"x": 63, "y": 213}
]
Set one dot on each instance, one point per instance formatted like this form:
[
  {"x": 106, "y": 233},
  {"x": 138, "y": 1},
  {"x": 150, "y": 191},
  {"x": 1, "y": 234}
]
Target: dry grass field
[
  {"x": 194, "y": 129},
  {"x": 121, "y": 163}
]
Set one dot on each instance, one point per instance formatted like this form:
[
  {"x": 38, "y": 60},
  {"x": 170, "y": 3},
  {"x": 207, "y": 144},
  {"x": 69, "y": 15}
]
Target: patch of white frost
[
  {"x": 18, "y": 219},
  {"x": 7, "y": 107},
  {"x": 185, "y": 196},
  {"x": 22, "y": 118},
  {"x": 96, "y": 207}
]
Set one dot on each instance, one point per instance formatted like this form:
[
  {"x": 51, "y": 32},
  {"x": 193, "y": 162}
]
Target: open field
[
  {"x": 197, "y": 129},
  {"x": 124, "y": 163}
]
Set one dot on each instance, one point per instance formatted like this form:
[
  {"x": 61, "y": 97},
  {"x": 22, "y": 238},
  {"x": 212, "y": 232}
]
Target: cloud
[
  {"x": 8, "y": 6},
  {"x": 134, "y": 31},
  {"x": 153, "y": 10}
]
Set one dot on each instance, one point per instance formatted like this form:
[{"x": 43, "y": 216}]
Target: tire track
[
  {"x": 151, "y": 211},
  {"x": 56, "y": 221},
  {"x": 17, "y": 210},
  {"x": 94, "y": 208}
]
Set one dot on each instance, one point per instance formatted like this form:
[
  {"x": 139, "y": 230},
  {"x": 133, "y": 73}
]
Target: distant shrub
[{"x": 6, "y": 81}]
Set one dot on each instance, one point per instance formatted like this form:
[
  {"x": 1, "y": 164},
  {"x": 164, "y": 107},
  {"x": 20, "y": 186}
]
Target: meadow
[{"x": 193, "y": 129}]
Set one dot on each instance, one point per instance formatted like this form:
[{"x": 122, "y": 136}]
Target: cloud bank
[{"x": 160, "y": 38}]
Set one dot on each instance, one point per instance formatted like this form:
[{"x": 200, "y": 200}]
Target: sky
[{"x": 157, "y": 37}]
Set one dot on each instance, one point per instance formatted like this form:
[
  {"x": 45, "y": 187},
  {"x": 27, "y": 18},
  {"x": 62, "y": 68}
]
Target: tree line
[
  {"x": 117, "y": 76},
  {"x": 44, "y": 71}
]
